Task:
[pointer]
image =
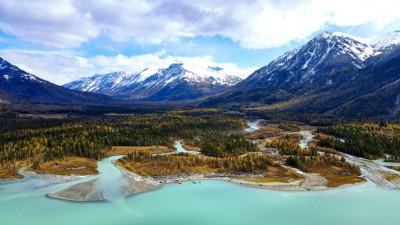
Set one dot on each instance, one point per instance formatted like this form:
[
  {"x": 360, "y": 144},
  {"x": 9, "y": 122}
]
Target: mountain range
[
  {"x": 334, "y": 74},
  {"x": 176, "y": 82}
]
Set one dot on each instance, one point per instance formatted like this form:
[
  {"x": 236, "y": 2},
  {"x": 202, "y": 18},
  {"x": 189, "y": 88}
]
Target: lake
[{"x": 208, "y": 202}]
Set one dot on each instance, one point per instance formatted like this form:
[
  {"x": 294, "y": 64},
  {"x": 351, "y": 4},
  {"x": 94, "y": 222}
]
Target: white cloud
[
  {"x": 252, "y": 23},
  {"x": 63, "y": 68},
  {"x": 54, "y": 67},
  {"x": 49, "y": 23}
]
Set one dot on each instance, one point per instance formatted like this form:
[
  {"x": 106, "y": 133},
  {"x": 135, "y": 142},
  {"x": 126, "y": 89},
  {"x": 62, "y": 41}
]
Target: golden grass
[
  {"x": 162, "y": 168},
  {"x": 278, "y": 174},
  {"x": 391, "y": 177},
  {"x": 152, "y": 168},
  {"x": 9, "y": 173},
  {"x": 335, "y": 177},
  {"x": 339, "y": 180},
  {"x": 124, "y": 150},
  {"x": 67, "y": 166}
]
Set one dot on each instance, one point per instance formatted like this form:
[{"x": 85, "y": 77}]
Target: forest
[
  {"x": 366, "y": 140},
  {"x": 147, "y": 164},
  {"x": 42, "y": 140}
]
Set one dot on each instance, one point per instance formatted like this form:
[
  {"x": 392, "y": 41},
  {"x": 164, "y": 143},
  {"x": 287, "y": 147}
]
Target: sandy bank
[
  {"x": 312, "y": 181},
  {"x": 380, "y": 175},
  {"x": 89, "y": 191}
]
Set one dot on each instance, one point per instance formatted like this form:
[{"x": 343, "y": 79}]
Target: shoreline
[
  {"x": 138, "y": 184},
  {"x": 86, "y": 191},
  {"x": 158, "y": 182},
  {"x": 295, "y": 185}
]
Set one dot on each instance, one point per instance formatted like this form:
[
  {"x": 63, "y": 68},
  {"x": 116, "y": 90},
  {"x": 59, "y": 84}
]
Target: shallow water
[
  {"x": 307, "y": 137},
  {"x": 253, "y": 126},
  {"x": 207, "y": 202},
  {"x": 110, "y": 183}
]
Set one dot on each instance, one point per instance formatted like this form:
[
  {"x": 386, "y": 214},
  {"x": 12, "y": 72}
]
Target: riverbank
[
  {"x": 311, "y": 182},
  {"x": 88, "y": 191},
  {"x": 380, "y": 175}
]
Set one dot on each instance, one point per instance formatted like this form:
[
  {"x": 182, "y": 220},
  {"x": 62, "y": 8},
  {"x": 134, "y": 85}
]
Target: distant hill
[{"x": 18, "y": 86}]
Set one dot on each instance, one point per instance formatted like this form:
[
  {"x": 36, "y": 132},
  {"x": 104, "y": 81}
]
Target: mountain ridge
[
  {"x": 162, "y": 85},
  {"x": 19, "y": 86}
]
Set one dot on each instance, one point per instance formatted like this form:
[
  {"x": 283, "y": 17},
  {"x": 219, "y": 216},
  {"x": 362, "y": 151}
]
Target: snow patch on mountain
[
  {"x": 10, "y": 70},
  {"x": 7, "y": 77}
]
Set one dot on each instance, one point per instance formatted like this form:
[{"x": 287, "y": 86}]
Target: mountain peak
[
  {"x": 216, "y": 68},
  {"x": 174, "y": 66},
  {"x": 177, "y": 64},
  {"x": 325, "y": 35},
  {"x": 313, "y": 63}
]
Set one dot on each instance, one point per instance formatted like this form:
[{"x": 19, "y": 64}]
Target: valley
[{"x": 146, "y": 151}]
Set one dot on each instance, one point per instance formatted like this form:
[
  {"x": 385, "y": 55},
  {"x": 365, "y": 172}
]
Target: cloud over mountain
[{"x": 254, "y": 23}]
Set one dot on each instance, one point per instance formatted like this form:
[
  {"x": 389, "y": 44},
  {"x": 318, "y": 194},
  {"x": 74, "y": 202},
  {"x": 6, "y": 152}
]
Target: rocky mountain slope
[
  {"x": 333, "y": 74},
  {"x": 18, "y": 86}
]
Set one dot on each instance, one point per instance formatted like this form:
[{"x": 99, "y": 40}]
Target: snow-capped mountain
[
  {"x": 108, "y": 83},
  {"x": 387, "y": 41},
  {"x": 314, "y": 63},
  {"x": 177, "y": 82},
  {"x": 332, "y": 73},
  {"x": 19, "y": 86}
]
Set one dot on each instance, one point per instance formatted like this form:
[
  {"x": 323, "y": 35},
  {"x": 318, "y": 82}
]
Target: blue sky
[{"x": 67, "y": 39}]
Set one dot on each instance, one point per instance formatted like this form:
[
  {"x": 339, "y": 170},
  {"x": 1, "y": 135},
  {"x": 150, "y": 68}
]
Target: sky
[{"x": 65, "y": 40}]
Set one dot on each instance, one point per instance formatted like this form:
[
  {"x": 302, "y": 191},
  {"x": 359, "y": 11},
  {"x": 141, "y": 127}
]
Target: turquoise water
[
  {"x": 110, "y": 182},
  {"x": 383, "y": 163},
  {"x": 179, "y": 148},
  {"x": 207, "y": 202}
]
